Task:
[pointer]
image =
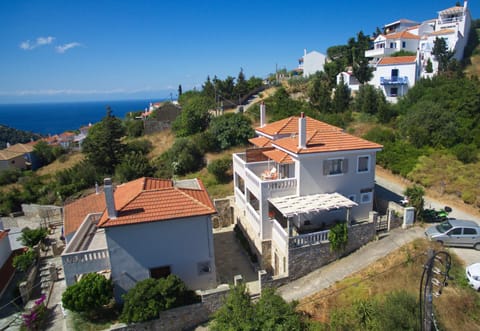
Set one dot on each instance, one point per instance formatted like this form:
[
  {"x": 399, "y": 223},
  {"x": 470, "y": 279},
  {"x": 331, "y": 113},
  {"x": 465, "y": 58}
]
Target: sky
[{"x": 57, "y": 50}]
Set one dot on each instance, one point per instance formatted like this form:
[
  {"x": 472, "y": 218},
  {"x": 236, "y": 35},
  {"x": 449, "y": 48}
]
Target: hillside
[{"x": 14, "y": 136}]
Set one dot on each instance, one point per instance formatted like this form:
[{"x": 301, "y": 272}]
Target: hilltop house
[
  {"x": 395, "y": 75},
  {"x": 12, "y": 159},
  {"x": 144, "y": 228},
  {"x": 452, "y": 24},
  {"x": 298, "y": 179},
  {"x": 311, "y": 62}
]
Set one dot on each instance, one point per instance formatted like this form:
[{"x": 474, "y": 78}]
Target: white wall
[
  {"x": 312, "y": 180},
  {"x": 180, "y": 244},
  {"x": 409, "y": 70},
  {"x": 313, "y": 62}
]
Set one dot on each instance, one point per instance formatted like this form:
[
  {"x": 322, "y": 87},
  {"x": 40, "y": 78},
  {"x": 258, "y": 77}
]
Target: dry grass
[
  {"x": 161, "y": 141},
  {"x": 400, "y": 270},
  {"x": 52, "y": 168}
]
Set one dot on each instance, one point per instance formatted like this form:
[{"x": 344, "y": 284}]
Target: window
[
  {"x": 352, "y": 197},
  {"x": 160, "y": 272},
  {"x": 456, "y": 231},
  {"x": 366, "y": 195},
  {"x": 394, "y": 73},
  {"x": 404, "y": 44},
  {"x": 469, "y": 231},
  {"x": 363, "y": 164},
  {"x": 204, "y": 268},
  {"x": 392, "y": 45},
  {"x": 393, "y": 92},
  {"x": 335, "y": 167}
]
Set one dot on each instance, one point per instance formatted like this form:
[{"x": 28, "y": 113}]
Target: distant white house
[
  {"x": 349, "y": 79},
  {"x": 311, "y": 62},
  {"x": 395, "y": 76}
]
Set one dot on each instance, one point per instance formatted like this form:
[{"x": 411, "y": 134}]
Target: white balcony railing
[
  {"x": 83, "y": 262},
  {"x": 279, "y": 237},
  {"x": 309, "y": 239}
]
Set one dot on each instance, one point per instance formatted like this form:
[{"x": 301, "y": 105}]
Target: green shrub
[
  {"x": 23, "y": 261},
  {"x": 338, "y": 236},
  {"x": 151, "y": 296},
  {"x": 31, "y": 237},
  {"x": 87, "y": 296},
  {"x": 220, "y": 168}
]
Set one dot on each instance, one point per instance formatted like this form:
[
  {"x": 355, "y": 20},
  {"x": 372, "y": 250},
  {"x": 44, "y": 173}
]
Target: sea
[{"x": 55, "y": 118}]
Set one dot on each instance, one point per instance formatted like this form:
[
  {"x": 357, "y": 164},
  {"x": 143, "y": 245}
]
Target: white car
[{"x": 473, "y": 275}]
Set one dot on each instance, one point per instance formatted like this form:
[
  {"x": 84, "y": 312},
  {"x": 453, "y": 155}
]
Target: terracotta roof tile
[
  {"x": 279, "y": 156},
  {"x": 20, "y": 148},
  {"x": 402, "y": 35},
  {"x": 260, "y": 141},
  {"x": 319, "y": 141},
  {"x": 8, "y": 155},
  {"x": 290, "y": 126},
  {"x": 149, "y": 200},
  {"x": 442, "y": 32},
  {"x": 76, "y": 211},
  {"x": 397, "y": 60}
]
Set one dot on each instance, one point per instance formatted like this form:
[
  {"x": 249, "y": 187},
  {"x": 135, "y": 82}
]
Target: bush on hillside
[
  {"x": 221, "y": 169},
  {"x": 151, "y": 296}
]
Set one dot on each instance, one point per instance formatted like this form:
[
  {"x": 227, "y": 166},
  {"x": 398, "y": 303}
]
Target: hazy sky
[{"x": 95, "y": 50}]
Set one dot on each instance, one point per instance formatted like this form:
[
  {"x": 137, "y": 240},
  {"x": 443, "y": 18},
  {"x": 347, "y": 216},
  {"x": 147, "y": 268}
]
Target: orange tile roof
[
  {"x": 289, "y": 125},
  {"x": 260, "y": 141},
  {"x": 440, "y": 32},
  {"x": 279, "y": 156},
  {"x": 3, "y": 234},
  {"x": 452, "y": 10},
  {"x": 76, "y": 211},
  {"x": 5, "y": 155},
  {"x": 402, "y": 35},
  {"x": 149, "y": 200},
  {"x": 397, "y": 60},
  {"x": 321, "y": 141},
  {"x": 20, "y": 148}
]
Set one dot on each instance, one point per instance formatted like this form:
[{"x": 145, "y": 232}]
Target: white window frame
[
  {"x": 366, "y": 194},
  {"x": 341, "y": 173},
  {"x": 368, "y": 164}
]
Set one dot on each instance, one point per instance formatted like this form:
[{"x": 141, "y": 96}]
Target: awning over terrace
[
  {"x": 278, "y": 156},
  {"x": 294, "y": 205}
]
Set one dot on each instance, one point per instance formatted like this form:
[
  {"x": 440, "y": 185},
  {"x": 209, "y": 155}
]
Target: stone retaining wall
[
  {"x": 186, "y": 317},
  {"x": 304, "y": 260},
  {"x": 224, "y": 215},
  {"x": 152, "y": 126},
  {"x": 49, "y": 212}
]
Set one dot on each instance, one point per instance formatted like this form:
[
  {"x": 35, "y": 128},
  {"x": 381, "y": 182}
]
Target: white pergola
[{"x": 296, "y": 205}]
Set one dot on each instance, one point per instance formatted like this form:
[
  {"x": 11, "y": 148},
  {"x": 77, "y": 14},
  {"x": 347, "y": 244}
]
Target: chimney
[
  {"x": 97, "y": 191},
  {"x": 304, "y": 52},
  {"x": 465, "y": 5},
  {"x": 302, "y": 131},
  {"x": 110, "y": 201},
  {"x": 262, "y": 115}
]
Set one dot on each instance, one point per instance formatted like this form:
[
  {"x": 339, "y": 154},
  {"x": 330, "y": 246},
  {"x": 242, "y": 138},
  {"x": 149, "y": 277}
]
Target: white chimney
[
  {"x": 263, "y": 115},
  {"x": 110, "y": 201},
  {"x": 465, "y": 4},
  {"x": 302, "y": 131},
  {"x": 304, "y": 52}
]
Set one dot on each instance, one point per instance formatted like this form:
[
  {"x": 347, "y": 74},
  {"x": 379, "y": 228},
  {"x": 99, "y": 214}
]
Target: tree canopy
[{"x": 103, "y": 146}]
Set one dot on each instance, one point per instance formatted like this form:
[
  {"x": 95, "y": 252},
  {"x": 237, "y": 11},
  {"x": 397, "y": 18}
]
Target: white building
[
  {"x": 311, "y": 62},
  {"x": 301, "y": 176},
  {"x": 349, "y": 79},
  {"x": 146, "y": 228},
  {"x": 452, "y": 24},
  {"x": 395, "y": 75}
]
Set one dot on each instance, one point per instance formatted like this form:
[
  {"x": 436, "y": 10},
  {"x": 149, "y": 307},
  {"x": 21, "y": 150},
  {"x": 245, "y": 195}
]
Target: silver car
[{"x": 454, "y": 232}]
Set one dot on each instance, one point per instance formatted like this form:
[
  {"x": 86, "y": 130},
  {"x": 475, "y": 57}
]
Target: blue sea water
[{"x": 55, "y": 118}]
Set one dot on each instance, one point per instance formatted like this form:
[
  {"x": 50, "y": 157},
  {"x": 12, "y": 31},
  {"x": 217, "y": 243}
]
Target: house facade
[
  {"x": 300, "y": 177},
  {"x": 452, "y": 24},
  {"x": 396, "y": 75},
  {"x": 349, "y": 79},
  {"x": 147, "y": 228},
  {"x": 311, "y": 62}
]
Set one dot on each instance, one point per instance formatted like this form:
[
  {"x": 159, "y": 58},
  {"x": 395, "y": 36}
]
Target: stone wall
[
  {"x": 396, "y": 218},
  {"x": 304, "y": 260},
  {"x": 152, "y": 126},
  {"x": 186, "y": 317},
  {"x": 48, "y": 212},
  {"x": 224, "y": 216}
]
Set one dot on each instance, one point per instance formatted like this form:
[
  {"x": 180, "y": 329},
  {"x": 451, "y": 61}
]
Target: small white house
[
  {"x": 311, "y": 62},
  {"x": 148, "y": 228},
  {"x": 349, "y": 79},
  {"x": 395, "y": 76}
]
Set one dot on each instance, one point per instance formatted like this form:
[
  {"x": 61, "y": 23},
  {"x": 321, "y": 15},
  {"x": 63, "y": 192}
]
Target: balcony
[
  {"x": 380, "y": 52},
  {"x": 394, "y": 80},
  {"x": 87, "y": 251}
]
